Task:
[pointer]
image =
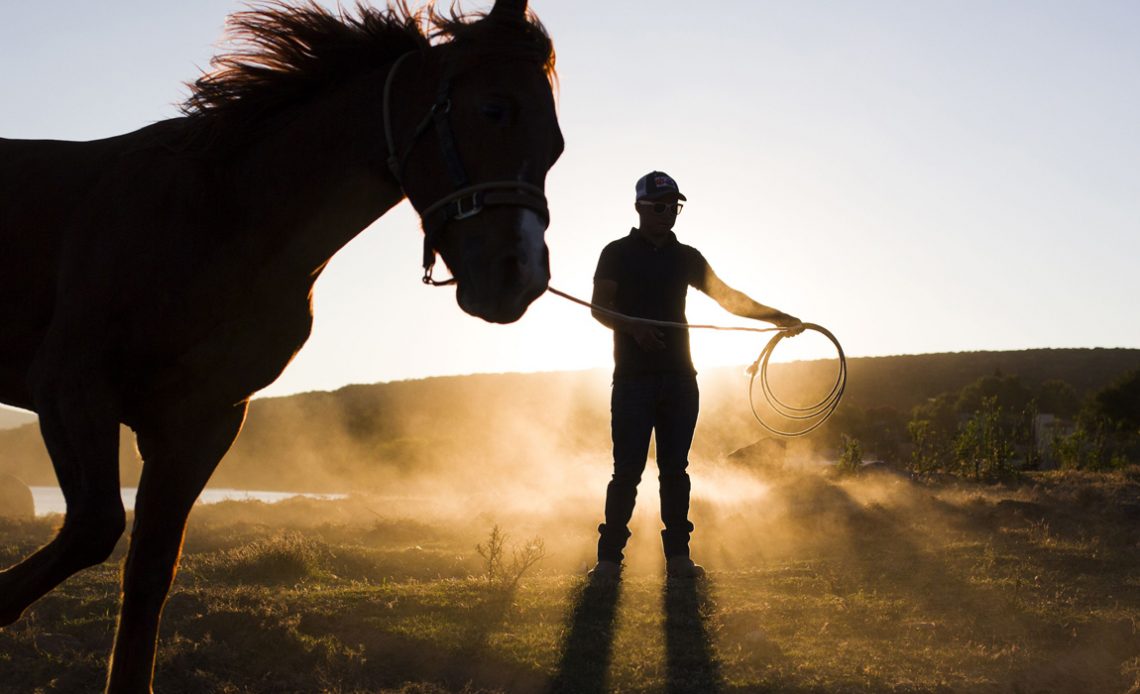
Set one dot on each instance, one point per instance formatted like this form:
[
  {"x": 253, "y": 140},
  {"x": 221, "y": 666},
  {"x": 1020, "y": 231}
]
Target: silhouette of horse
[{"x": 161, "y": 277}]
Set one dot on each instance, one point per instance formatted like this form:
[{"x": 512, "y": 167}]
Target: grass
[{"x": 819, "y": 586}]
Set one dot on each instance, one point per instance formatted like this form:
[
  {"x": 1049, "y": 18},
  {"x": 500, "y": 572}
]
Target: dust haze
[
  {"x": 818, "y": 581},
  {"x": 527, "y": 451},
  {"x": 530, "y": 453}
]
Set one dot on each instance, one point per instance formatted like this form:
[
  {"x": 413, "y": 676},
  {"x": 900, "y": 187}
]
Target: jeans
[{"x": 666, "y": 404}]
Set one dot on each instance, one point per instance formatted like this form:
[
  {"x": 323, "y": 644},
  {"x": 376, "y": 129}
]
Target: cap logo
[{"x": 660, "y": 181}]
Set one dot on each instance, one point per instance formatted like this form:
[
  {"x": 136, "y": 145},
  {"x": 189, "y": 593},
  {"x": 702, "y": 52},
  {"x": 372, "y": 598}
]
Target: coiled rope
[{"x": 812, "y": 416}]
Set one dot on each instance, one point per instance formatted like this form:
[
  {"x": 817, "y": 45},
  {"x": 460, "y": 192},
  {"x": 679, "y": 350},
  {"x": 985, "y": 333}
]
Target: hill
[{"x": 474, "y": 430}]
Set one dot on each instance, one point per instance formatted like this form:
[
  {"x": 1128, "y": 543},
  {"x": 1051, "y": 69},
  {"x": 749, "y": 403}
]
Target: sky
[{"x": 915, "y": 176}]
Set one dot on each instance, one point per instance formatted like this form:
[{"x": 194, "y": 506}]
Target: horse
[{"x": 159, "y": 278}]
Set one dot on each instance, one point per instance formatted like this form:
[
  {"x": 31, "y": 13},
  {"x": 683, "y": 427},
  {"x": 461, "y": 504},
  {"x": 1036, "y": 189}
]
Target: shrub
[
  {"x": 500, "y": 573},
  {"x": 984, "y": 445},
  {"x": 851, "y": 457},
  {"x": 283, "y": 559}
]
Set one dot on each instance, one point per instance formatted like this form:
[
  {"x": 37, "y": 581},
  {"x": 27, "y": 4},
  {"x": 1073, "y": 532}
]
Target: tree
[
  {"x": 1008, "y": 392},
  {"x": 1058, "y": 398},
  {"x": 984, "y": 445},
  {"x": 973, "y": 432},
  {"x": 1087, "y": 448},
  {"x": 932, "y": 447},
  {"x": 1107, "y": 434},
  {"x": 1119, "y": 403}
]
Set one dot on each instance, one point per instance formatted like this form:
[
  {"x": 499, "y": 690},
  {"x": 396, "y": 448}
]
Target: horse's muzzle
[{"x": 501, "y": 288}]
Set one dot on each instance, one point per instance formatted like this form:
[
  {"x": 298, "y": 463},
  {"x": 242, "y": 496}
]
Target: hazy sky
[{"x": 916, "y": 176}]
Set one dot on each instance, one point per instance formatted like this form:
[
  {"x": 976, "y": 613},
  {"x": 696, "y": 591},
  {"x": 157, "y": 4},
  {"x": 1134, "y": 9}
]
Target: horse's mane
[{"x": 283, "y": 53}]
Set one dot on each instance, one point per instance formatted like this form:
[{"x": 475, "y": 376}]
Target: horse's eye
[{"x": 498, "y": 112}]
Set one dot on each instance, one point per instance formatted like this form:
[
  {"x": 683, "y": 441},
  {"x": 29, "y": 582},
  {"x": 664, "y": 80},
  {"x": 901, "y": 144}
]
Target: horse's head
[{"x": 471, "y": 147}]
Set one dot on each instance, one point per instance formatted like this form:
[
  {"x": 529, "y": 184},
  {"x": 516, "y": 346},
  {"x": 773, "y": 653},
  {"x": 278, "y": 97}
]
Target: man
[{"x": 647, "y": 275}]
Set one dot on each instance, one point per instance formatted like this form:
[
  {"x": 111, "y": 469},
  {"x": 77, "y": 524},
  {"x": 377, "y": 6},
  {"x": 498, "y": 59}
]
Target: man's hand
[
  {"x": 793, "y": 326},
  {"x": 648, "y": 337}
]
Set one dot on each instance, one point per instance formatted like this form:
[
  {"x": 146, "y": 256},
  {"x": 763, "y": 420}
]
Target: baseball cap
[{"x": 656, "y": 184}]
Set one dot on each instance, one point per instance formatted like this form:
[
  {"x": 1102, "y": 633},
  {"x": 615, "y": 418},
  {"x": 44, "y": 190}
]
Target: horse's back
[{"x": 43, "y": 187}]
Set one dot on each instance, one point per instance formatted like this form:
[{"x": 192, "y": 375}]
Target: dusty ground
[{"x": 815, "y": 585}]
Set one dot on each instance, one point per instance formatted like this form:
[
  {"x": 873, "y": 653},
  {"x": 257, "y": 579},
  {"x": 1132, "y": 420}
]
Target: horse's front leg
[
  {"x": 79, "y": 420},
  {"x": 178, "y": 458}
]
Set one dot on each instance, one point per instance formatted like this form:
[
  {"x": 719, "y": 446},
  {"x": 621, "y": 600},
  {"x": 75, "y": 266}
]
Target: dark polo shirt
[{"x": 652, "y": 283}]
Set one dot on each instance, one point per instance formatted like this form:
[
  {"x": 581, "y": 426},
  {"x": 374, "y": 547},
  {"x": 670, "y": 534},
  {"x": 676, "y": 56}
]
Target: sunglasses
[{"x": 661, "y": 207}]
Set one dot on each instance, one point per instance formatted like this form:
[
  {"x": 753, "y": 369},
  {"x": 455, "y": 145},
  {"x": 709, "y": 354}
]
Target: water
[{"x": 49, "y": 500}]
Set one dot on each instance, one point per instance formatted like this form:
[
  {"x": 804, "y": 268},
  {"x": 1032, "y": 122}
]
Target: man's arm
[
  {"x": 648, "y": 337},
  {"x": 740, "y": 304}
]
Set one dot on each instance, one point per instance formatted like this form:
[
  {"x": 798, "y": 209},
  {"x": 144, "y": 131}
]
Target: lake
[{"x": 49, "y": 500}]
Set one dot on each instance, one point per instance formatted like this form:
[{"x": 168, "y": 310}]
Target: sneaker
[
  {"x": 605, "y": 571},
  {"x": 683, "y": 567}
]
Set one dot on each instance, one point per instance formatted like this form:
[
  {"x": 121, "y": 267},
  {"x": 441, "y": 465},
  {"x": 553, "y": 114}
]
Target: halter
[{"x": 467, "y": 200}]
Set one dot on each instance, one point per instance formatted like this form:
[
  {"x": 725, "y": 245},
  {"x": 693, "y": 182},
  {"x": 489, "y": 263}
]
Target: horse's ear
[{"x": 509, "y": 9}]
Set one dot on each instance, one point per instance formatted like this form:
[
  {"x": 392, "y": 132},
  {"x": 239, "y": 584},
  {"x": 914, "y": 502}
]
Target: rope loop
[{"x": 812, "y": 416}]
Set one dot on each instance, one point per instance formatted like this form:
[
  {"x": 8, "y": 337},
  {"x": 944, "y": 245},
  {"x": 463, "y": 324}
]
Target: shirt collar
[{"x": 669, "y": 240}]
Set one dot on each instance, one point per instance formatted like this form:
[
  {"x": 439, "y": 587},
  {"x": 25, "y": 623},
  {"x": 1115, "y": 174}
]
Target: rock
[
  {"x": 765, "y": 454},
  {"x": 15, "y": 499}
]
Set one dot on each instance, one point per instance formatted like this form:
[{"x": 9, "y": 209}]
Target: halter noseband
[{"x": 467, "y": 200}]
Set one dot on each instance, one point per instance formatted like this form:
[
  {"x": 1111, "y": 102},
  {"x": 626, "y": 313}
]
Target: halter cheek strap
[{"x": 467, "y": 200}]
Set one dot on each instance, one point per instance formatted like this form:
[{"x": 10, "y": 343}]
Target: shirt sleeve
[
  {"x": 697, "y": 269},
  {"x": 607, "y": 264}
]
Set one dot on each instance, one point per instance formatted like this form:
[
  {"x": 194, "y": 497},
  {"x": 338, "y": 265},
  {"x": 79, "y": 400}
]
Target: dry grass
[{"x": 817, "y": 585}]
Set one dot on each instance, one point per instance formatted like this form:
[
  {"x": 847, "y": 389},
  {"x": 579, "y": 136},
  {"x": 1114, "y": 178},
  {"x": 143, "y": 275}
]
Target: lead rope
[{"x": 813, "y": 416}]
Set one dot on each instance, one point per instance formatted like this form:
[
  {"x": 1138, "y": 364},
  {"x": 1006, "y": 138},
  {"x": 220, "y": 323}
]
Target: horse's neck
[{"x": 314, "y": 178}]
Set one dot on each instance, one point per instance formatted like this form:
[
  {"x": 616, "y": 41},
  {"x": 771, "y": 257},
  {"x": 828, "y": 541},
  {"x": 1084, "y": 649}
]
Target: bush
[
  {"x": 500, "y": 573},
  {"x": 1107, "y": 435},
  {"x": 1091, "y": 447},
  {"x": 283, "y": 559},
  {"x": 851, "y": 457},
  {"x": 984, "y": 445}
]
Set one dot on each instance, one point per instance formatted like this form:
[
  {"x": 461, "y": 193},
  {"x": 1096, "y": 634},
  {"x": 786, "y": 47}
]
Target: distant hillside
[
  {"x": 904, "y": 381},
  {"x": 473, "y": 428}
]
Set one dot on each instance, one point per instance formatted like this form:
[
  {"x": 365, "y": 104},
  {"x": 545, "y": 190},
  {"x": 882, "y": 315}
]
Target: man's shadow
[
  {"x": 691, "y": 665},
  {"x": 588, "y": 647}
]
